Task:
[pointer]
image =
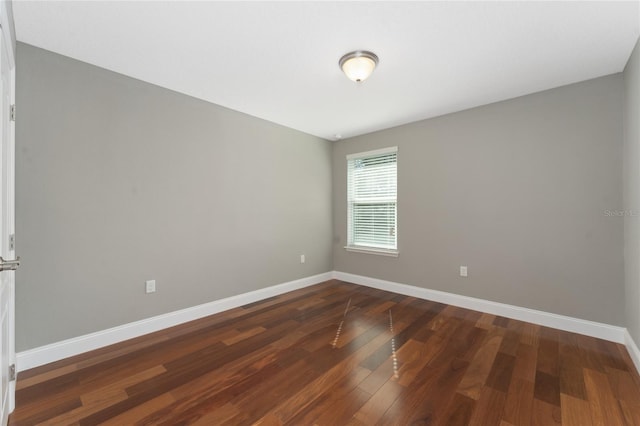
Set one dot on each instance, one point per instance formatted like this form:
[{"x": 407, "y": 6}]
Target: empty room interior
[{"x": 320, "y": 213}]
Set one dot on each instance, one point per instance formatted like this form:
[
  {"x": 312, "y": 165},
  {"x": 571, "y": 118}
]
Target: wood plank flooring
[{"x": 340, "y": 354}]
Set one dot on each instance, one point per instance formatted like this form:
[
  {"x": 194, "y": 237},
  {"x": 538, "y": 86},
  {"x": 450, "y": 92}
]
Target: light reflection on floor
[
  {"x": 335, "y": 340},
  {"x": 394, "y": 356},
  {"x": 393, "y": 346}
]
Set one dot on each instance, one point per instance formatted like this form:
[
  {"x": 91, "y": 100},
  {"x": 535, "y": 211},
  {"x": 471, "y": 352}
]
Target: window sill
[{"x": 373, "y": 250}]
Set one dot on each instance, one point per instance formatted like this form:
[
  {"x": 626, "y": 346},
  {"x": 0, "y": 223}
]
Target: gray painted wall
[
  {"x": 119, "y": 181},
  {"x": 517, "y": 191},
  {"x": 632, "y": 193}
]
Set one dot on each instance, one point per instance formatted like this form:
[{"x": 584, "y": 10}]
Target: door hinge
[
  {"x": 12, "y": 242},
  {"x": 12, "y": 112},
  {"x": 12, "y": 372}
]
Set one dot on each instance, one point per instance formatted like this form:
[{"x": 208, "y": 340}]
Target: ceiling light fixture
[{"x": 358, "y": 65}]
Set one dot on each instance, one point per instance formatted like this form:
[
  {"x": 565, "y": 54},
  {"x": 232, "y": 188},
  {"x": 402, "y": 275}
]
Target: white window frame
[{"x": 363, "y": 248}]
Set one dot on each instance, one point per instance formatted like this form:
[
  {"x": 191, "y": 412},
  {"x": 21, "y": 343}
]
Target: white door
[{"x": 7, "y": 222}]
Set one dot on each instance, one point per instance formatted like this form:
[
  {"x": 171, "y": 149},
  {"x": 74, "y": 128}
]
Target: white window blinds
[{"x": 372, "y": 199}]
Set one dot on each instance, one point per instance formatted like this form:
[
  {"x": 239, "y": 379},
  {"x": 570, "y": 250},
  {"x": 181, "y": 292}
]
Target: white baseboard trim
[
  {"x": 632, "y": 348},
  {"x": 56, "y": 351},
  {"x": 590, "y": 328}
]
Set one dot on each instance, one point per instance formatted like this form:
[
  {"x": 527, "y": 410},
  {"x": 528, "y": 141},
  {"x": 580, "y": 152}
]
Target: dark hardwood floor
[{"x": 335, "y": 354}]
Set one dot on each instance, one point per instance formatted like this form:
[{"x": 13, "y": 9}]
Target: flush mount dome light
[{"x": 358, "y": 65}]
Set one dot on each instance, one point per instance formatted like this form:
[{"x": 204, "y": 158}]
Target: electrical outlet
[
  {"x": 463, "y": 271},
  {"x": 150, "y": 286},
  {"x": 302, "y": 258}
]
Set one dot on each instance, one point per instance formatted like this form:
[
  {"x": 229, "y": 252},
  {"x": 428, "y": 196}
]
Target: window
[{"x": 372, "y": 200}]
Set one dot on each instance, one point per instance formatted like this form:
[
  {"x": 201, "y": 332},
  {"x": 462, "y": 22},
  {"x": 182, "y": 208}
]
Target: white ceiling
[{"x": 279, "y": 60}]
